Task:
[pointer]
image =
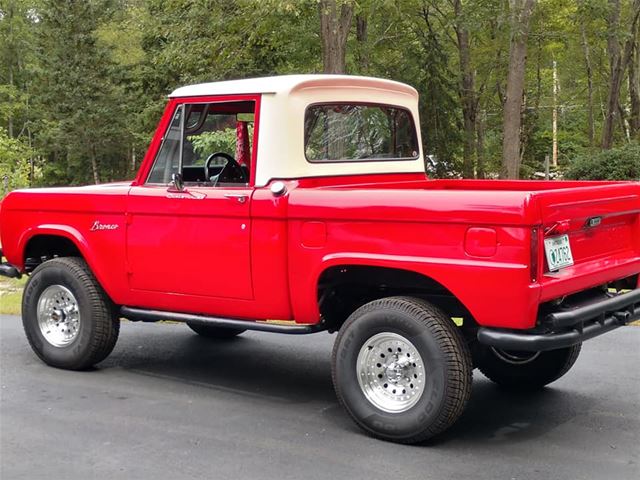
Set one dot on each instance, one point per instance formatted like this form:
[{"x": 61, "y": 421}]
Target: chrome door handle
[{"x": 240, "y": 197}]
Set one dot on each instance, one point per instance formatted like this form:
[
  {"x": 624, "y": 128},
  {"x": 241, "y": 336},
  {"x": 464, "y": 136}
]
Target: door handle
[{"x": 240, "y": 197}]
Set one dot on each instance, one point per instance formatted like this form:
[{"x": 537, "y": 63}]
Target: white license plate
[{"x": 558, "y": 251}]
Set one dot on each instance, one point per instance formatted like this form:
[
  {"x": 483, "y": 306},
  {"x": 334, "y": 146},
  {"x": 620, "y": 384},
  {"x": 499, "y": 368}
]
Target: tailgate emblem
[{"x": 594, "y": 221}]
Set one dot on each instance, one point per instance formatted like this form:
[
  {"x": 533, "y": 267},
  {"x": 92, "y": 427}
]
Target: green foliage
[
  {"x": 616, "y": 164},
  {"x": 217, "y": 141},
  {"x": 85, "y": 82},
  {"x": 84, "y": 126},
  {"x": 14, "y": 163}
]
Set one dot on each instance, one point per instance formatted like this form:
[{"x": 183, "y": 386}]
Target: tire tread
[
  {"x": 452, "y": 345},
  {"x": 541, "y": 372},
  {"x": 107, "y": 324}
]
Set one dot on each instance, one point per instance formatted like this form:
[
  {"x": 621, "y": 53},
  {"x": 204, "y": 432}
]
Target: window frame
[
  {"x": 368, "y": 160},
  {"x": 165, "y": 124}
]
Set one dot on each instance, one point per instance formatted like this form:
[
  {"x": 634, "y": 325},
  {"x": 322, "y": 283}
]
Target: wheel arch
[
  {"x": 342, "y": 287},
  {"x": 48, "y": 241}
]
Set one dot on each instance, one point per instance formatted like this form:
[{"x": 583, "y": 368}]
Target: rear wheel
[
  {"x": 67, "y": 317},
  {"x": 525, "y": 370},
  {"x": 401, "y": 369},
  {"x": 210, "y": 331}
]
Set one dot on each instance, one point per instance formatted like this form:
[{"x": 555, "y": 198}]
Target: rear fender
[{"x": 475, "y": 283}]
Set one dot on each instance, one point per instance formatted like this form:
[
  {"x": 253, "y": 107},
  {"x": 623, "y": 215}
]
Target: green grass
[{"x": 11, "y": 295}]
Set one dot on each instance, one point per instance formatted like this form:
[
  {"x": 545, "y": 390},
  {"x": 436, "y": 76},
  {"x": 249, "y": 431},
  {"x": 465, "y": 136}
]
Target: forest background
[{"x": 504, "y": 84}]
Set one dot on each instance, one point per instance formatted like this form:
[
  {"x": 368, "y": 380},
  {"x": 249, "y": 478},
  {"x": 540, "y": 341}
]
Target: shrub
[
  {"x": 14, "y": 163},
  {"x": 621, "y": 163}
]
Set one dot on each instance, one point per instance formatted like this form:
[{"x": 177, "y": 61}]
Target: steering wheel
[{"x": 232, "y": 167}]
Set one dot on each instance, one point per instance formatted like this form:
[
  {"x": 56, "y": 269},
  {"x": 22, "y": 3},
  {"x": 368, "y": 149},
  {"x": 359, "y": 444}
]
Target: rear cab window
[{"x": 343, "y": 132}]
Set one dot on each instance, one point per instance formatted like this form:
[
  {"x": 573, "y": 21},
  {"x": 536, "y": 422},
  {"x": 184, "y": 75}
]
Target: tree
[
  {"x": 586, "y": 48},
  {"x": 335, "y": 24},
  {"x": 16, "y": 45},
  {"x": 620, "y": 55},
  {"x": 15, "y": 159},
  {"x": 634, "y": 88},
  {"x": 83, "y": 125},
  {"x": 467, "y": 91},
  {"x": 520, "y": 11}
]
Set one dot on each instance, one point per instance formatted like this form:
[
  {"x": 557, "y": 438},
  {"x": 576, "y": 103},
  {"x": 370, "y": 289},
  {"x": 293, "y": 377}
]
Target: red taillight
[{"x": 533, "y": 262}]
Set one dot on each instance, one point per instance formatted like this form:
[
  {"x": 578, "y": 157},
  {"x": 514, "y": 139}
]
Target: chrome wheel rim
[
  {"x": 515, "y": 357},
  {"x": 58, "y": 315},
  {"x": 390, "y": 372}
]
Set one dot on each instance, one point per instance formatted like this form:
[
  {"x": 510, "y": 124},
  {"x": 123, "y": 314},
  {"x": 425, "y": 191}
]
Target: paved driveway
[{"x": 170, "y": 405}]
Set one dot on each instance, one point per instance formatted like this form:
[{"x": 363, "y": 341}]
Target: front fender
[{"x": 77, "y": 238}]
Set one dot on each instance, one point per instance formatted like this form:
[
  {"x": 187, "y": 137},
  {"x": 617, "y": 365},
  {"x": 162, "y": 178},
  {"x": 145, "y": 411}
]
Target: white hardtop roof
[{"x": 285, "y": 84}]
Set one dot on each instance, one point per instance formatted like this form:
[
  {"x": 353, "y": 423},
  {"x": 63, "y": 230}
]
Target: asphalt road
[{"x": 168, "y": 404}]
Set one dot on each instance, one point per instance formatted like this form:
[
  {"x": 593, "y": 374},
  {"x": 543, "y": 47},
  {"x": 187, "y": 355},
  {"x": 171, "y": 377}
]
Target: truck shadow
[
  {"x": 259, "y": 365},
  {"x": 498, "y": 416},
  {"x": 289, "y": 370}
]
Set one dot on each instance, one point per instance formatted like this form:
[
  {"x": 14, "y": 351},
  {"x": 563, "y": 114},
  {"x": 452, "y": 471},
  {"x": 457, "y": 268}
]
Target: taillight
[{"x": 533, "y": 261}]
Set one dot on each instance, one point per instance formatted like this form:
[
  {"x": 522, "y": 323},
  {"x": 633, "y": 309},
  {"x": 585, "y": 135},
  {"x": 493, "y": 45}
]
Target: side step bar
[
  {"x": 142, "y": 315},
  {"x": 8, "y": 270}
]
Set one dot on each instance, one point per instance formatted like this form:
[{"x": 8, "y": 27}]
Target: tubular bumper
[
  {"x": 8, "y": 270},
  {"x": 569, "y": 327}
]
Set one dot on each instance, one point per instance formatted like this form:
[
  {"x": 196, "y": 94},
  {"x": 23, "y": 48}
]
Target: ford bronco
[{"x": 300, "y": 204}]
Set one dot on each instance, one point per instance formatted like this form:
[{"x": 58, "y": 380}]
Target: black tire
[
  {"x": 97, "y": 327},
  {"x": 447, "y": 370},
  {"x": 525, "y": 370},
  {"x": 210, "y": 331}
]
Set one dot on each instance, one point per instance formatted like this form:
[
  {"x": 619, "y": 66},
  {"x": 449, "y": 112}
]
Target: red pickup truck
[{"x": 299, "y": 204}]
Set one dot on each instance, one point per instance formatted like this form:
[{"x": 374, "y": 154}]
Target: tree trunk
[
  {"x": 94, "y": 166},
  {"x": 624, "y": 123},
  {"x": 467, "y": 92},
  {"x": 334, "y": 31},
  {"x": 10, "y": 119},
  {"x": 521, "y": 11},
  {"x": 634, "y": 91},
  {"x": 10, "y": 15},
  {"x": 131, "y": 165},
  {"x": 480, "y": 121},
  {"x": 587, "y": 62},
  {"x": 361, "y": 37},
  {"x": 31, "y": 158},
  {"x": 619, "y": 58}
]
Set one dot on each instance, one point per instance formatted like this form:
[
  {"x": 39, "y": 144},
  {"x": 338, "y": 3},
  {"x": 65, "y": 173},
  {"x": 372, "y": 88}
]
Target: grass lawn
[{"x": 11, "y": 295}]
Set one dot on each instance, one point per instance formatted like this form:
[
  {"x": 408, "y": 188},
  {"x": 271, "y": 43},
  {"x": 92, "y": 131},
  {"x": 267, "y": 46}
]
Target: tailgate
[{"x": 592, "y": 235}]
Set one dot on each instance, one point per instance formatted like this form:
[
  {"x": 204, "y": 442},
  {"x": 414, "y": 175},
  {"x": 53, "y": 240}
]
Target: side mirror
[{"x": 177, "y": 183}]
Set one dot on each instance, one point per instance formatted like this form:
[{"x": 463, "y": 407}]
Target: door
[{"x": 190, "y": 234}]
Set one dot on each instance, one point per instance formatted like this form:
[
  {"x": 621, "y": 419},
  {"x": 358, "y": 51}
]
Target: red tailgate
[{"x": 602, "y": 224}]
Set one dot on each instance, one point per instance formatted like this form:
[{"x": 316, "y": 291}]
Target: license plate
[{"x": 558, "y": 251}]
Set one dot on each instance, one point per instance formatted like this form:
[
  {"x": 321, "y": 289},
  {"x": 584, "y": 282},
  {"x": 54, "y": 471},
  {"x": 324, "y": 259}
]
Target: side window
[
  {"x": 167, "y": 160},
  {"x": 209, "y": 144}
]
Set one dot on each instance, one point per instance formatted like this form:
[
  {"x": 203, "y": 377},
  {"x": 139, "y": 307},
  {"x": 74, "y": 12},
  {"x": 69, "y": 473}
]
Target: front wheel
[
  {"x": 67, "y": 317},
  {"x": 525, "y": 370},
  {"x": 401, "y": 369}
]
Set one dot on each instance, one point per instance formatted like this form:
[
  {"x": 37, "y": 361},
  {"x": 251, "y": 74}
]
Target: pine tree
[{"x": 83, "y": 112}]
